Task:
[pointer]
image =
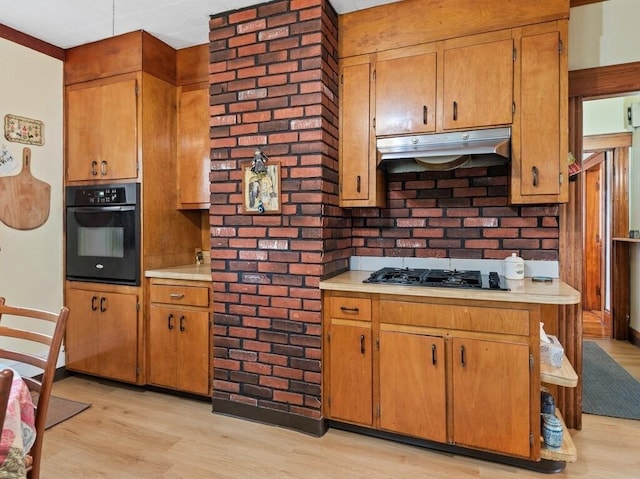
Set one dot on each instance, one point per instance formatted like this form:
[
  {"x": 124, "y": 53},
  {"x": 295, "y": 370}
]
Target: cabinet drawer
[
  {"x": 179, "y": 294},
  {"x": 350, "y": 308},
  {"x": 468, "y": 318}
]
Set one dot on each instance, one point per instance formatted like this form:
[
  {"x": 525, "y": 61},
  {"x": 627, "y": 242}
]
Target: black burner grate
[{"x": 440, "y": 278}]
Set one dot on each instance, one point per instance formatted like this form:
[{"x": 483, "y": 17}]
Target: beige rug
[{"x": 62, "y": 409}]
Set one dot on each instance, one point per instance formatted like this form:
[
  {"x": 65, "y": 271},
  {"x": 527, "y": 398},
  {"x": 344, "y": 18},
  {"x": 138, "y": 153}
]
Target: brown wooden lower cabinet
[
  {"x": 491, "y": 401},
  {"x": 178, "y": 336},
  {"x": 460, "y": 372},
  {"x": 412, "y": 385},
  {"x": 102, "y": 331},
  {"x": 351, "y": 374},
  {"x": 350, "y": 360}
]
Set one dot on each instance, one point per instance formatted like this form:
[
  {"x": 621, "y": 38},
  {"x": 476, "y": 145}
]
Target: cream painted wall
[
  {"x": 31, "y": 85},
  {"x": 602, "y": 34}
]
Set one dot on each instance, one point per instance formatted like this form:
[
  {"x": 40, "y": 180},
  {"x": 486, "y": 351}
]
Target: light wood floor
[
  {"x": 594, "y": 325},
  {"x": 625, "y": 354},
  {"x": 134, "y": 433}
]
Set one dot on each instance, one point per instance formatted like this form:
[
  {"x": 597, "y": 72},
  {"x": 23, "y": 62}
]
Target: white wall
[
  {"x": 31, "y": 85},
  {"x": 602, "y": 34}
]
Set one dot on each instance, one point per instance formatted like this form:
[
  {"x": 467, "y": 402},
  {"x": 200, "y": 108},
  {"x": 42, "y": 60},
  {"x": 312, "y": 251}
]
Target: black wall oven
[{"x": 103, "y": 233}]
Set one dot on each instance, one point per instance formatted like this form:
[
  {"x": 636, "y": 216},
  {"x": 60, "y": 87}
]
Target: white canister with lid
[{"x": 514, "y": 267}]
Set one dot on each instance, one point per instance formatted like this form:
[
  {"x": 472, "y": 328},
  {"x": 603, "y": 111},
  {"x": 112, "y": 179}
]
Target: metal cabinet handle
[
  {"x": 534, "y": 171},
  {"x": 425, "y": 114},
  {"x": 176, "y": 295},
  {"x": 344, "y": 309},
  {"x": 182, "y": 328},
  {"x": 170, "y": 321},
  {"x": 358, "y": 182},
  {"x": 462, "y": 356},
  {"x": 362, "y": 344},
  {"x": 94, "y": 307},
  {"x": 102, "y": 304},
  {"x": 103, "y": 167},
  {"x": 94, "y": 164},
  {"x": 434, "y": 358},
  {"x": 455, "y": 111}
]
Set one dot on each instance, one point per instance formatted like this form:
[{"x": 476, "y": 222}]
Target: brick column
[{"x": 273, "y": 76}]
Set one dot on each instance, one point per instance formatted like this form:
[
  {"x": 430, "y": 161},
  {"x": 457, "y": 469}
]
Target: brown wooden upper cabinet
[
  {"x": 102, "y": 129},
  {"x": 539, "y": 146},
  {"x": 405, "y": 94},
  {"x": 509, "y": 71},
  {"x": 192, "y": 145},
  {"x": 360, "y": 181},
  {"x": 478, "y": 85},
  {"x": 194, "y": 163}
]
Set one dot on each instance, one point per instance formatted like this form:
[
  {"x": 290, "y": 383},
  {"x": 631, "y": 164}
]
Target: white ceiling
[{"x": 179, "y": 23}]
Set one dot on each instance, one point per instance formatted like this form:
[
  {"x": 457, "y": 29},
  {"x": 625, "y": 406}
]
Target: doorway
[
  {"x": 596, "y": 253},
  {"x": 599, "y": 82},
  {"x": 605, "y": 213}
]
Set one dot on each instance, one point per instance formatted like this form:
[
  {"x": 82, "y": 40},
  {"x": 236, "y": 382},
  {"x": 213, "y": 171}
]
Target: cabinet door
[
  {"x": 192, "y": 368},
  {"x": 491, "y": 405},
  {"x": 118, "y": 336},
  {"x": 354, "y": 133},
  {"x": 102, "y": 131},
  {"x": 82, "y": 347},
  {"x": 350, "y": 383},
  {"x": 193, "y": 149},
  {"x": 163, "y": 338},
  {"x": 83, "y": 133},
  {"x": 119, "y": 131},
  {"x": 102, "y": 334},
  {"x": 412, "y": 385},
  {"x": 406, "y": 95},
  {"x": 478, "y": 85},
  {"x": 543, "y": 147}
]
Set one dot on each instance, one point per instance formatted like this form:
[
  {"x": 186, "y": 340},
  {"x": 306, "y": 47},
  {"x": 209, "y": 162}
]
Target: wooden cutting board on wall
[{"x": 24, "y": 199}]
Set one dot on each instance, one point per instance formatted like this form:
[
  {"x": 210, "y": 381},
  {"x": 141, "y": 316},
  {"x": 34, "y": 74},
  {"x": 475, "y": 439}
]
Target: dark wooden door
[{"x": 594, "y": 234}]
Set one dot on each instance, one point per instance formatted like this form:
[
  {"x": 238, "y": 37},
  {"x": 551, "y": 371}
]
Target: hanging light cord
[{"x": 113, "y": 18}]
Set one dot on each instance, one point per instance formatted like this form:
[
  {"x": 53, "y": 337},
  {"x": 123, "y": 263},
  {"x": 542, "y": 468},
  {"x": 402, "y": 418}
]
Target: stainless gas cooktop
[{"x": 439, "y": 278}]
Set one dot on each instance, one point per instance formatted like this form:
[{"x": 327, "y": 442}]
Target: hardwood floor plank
[
  {"x": 594, "y": 325},
  {"x": 625, "y": 354},
  {"x": 129, "y": 432}
]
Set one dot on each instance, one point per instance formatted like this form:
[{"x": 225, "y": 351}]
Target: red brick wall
[
  {"x": 462, "y": 213},
  {"x": 273, "y": 74}
]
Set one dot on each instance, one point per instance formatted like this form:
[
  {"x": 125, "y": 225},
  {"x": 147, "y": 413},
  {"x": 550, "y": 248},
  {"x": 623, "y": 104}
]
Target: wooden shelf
[
  {"x": 626, "y": 240},
  {"x": 564, "y": 376},
  {"x": 567, "y": 452}
]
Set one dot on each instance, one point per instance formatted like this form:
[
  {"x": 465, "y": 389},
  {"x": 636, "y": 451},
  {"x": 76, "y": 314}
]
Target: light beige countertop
[
  {"x": 521, "y": 291},
  {"x": 192, "y": 272}
]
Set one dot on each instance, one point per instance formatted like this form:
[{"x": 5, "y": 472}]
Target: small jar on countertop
[{"x": 513, "y": 267}]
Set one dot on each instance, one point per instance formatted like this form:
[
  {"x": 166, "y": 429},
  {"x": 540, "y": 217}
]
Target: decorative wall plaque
[
  {"x": 261, "y": 190},
  {"x": 23, "y": 130}
]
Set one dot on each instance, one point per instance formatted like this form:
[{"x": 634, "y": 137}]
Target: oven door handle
[{"x": 99, "y": 209}]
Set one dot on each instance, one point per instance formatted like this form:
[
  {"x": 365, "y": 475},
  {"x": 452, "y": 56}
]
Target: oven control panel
[{"x": 123, "y": 194}]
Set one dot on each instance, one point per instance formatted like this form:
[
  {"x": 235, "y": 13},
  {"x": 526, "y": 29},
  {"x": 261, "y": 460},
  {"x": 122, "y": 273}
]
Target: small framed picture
[
  {"x": 24, "y": 130},
  {"x": 261, "y": 190}
]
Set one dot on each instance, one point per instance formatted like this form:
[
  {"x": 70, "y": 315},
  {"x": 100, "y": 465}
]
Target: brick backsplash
[{"x": 462, "y": 213}]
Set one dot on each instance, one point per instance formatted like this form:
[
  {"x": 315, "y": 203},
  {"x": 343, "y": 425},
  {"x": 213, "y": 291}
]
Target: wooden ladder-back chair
[
  {"x": 40, "y": 384},
  {"x": 6, "y": 378}
]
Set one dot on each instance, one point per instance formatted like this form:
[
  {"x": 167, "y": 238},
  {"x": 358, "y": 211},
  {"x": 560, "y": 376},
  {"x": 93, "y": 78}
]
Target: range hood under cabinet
[{"x": 444, "y": 151}]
